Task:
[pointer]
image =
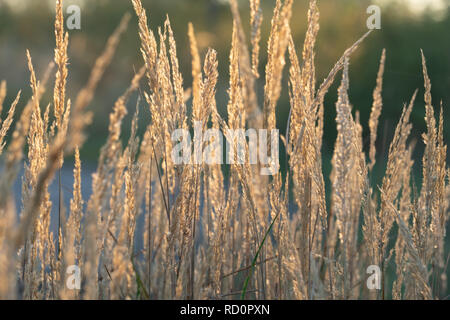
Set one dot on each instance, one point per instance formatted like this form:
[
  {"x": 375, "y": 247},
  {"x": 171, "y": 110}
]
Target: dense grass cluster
[{"x": 207, "y": 234}]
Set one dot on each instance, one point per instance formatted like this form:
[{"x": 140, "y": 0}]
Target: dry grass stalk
[
  {"x": 376, "y": 110},
  {"x": 5, "y": 125}
]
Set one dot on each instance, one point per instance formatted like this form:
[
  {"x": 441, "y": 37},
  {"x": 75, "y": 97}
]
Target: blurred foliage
[{"x": 342, "y": 22}]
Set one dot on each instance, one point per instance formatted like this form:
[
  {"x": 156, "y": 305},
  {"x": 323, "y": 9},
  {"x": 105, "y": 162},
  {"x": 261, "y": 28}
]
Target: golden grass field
[{"x": 207, "y": 234}]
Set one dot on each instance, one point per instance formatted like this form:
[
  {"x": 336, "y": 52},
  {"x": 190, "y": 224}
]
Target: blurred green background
[{"x": 407, "y": 26}]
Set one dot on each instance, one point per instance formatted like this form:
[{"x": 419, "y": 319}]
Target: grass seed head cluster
[{"x": 210, "y": 235}]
